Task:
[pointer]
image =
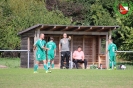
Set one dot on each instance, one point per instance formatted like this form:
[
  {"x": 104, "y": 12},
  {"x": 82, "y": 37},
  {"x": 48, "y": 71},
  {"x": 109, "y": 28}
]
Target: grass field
[
  {"x": 25, "y": 78},
  {"x": 10, "y": 62},
  {"x": 15, "y": 77}
]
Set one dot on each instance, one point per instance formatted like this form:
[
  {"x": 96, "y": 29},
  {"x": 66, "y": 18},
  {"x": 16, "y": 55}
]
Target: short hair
[
  {"x": 51, "y": 38},
  {"x": 64, "y": 33},
  {"x": 40, "y": 34},
  {"x": 79, "y": 47}
]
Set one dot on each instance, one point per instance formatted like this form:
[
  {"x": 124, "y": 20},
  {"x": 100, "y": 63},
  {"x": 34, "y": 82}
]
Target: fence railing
[{"x": 28, "y": 52}]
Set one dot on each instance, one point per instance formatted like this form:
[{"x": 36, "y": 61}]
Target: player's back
[
  {"x": 112, "y": 49},
  {"x": 51, "y": 45}
]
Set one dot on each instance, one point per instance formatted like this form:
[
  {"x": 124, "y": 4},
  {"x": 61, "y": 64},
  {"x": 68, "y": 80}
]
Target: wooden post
[
  {"x": 71, "y": 51},
  {"x": 28, "y": 47},
  {"x": 93, "y": 51},
  {"x": 84, "y": 43},
  {"x": 99, "y": 50},
  {"x": 38, "y": 33},
  {"x": 36, "y": 37},
  {"x": 59, "y": 53},
  {"x": 107, "y": 58},
  {"x": 110, "y": 34}
]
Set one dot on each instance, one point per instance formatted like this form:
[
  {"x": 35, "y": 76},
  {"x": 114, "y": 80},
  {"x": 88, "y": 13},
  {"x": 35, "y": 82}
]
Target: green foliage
[
  {"x": 100, "y": 15},
  {"x": 21, "y": 14}
]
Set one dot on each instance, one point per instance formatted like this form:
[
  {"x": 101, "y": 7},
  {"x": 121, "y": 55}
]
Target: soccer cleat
[
  {"x": 49, "y": 71},
  {"x": 114, "y": 68},
  {"x": 46, "y": 71},
  {"x": 109, "y": 69},
  {"x": 35, "y": 72},
  {"x": 64, "y": 67}
]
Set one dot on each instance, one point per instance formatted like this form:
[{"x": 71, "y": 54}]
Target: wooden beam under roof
[
  {"x": 65, "y": 29},
  {"x": 95, "y": 28},
  {"x": 52, "y": 29},
  {"x": 89, "y": 29},
  {"x": 75, "y": 32}
]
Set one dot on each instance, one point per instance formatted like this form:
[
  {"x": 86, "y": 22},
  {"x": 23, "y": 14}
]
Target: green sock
[
  {"x": 45, "y": 67},
  {"x": 52, "y": 65},
  {"x": 35, "y": 67},
  {"x": 48, "y": 64}
]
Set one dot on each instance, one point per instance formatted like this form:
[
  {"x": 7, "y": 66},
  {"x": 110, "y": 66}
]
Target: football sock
[
  {"x": 45, "y": 67},
  {"x": 52, "y": 65},
  {"x": 48, "y": 64},
  {"x": 35, "y": 67}
]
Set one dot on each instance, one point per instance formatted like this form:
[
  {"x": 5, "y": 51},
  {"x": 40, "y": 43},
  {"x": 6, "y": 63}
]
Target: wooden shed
[{"x": 93, "y": 39}]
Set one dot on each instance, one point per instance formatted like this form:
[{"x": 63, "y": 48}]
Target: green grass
[
  {"x": 25, "y": 78},
  {"x": 10, "y": 62},
  {"x": 15, "y": 77}
]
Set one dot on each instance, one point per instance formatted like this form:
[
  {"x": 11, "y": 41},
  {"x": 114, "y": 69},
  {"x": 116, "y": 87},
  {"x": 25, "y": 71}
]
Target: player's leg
[
  {"x": 44, "y": 62},
  {"x": 52, "y": 63},
  {"x": 85, "y": 63},
  {"x": 52, "y": 60},
  {"x": 67, "y": 59},
  {"x": 62, "y": 59},
  {"x": 37, "y": 62},
  {"x": 49, "y": 58},
  {"x": 76, "y": 63},
  {"x": 111, "y": 61},
  {"x": 36, "y": 66},
  {"x": 114, "y": 60}
]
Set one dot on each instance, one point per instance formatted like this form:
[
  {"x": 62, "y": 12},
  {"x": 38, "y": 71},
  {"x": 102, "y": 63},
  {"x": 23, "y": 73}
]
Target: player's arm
[
  {"x": 69, "y": 38},
  {"x": 55, "y": 49},
  {"x": 115, "y": 50},
  {"x": 60, "y": 46},
  {"x": 55, "y": 52},
  {"x": 34, "y": 47},
  {"x": 74, "y": 55},
  {"x": 46, "y": 47},
  {"x": 83, "y": 56}
]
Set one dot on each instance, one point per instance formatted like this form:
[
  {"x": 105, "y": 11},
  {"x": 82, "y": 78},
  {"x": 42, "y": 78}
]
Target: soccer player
[
  {"x": 64, "y": 49},
  {"x": 51, "y": 52},
  {"x": 112, "y": 48},
  {"x": 40, "y": 53}
]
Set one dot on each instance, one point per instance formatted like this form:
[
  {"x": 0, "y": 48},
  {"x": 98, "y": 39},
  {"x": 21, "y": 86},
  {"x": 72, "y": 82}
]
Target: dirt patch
[{"x": 3, "y": 66}]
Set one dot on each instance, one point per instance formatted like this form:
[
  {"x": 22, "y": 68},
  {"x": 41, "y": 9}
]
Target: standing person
[
  {"x": 40, "y": 53},
  {"x": 112, "y": 48},
  {"x": 51, "y": 52},
  {"x": 64, "y": 49},
  {"x": 78, "y": 57}
]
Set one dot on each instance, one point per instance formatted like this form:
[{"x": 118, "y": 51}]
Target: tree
[{"x": 17, "y": 15}]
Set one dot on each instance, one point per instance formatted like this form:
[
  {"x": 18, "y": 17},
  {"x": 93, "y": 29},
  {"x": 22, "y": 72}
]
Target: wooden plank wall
[
  {"x": 77, "y": 41},
  {"x": 24, "y": 46},
  {"x": 88, "y": 50}
]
